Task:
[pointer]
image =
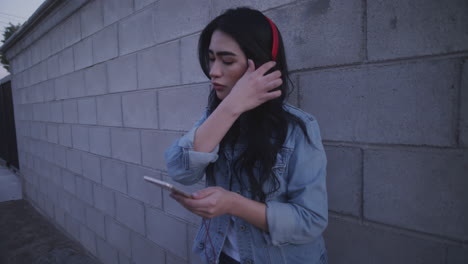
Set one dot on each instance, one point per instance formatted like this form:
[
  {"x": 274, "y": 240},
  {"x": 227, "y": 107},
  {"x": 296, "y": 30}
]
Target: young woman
[{"x": 263, "y": 159}]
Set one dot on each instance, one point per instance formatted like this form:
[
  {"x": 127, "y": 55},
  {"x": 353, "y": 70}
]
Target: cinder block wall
[{"x": 101, "y": 88}]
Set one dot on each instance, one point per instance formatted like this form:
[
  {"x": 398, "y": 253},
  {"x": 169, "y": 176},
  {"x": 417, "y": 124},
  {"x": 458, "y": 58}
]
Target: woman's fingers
[{"x": 265, "y": 68}]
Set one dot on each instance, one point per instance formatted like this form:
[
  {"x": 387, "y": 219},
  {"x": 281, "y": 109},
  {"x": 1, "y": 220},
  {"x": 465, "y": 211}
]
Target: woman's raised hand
[{"x": 254, "y": 88}]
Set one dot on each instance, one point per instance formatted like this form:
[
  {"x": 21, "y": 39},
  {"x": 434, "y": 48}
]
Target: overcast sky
[{"x": 15, "y": 11}]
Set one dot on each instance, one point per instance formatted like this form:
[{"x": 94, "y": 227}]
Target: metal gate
[{"x": 8, "y": 148}]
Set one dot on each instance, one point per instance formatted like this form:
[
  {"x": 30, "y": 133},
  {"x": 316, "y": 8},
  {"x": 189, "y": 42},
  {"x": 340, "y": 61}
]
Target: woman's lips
[{"x": 217, "y": 86}]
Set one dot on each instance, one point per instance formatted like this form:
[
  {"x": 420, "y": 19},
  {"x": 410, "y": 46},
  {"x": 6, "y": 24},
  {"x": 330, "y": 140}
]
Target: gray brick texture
[
  {"x": 140, "y": 110},
  {"x": 349, "y": 242},
  {"x": 415, "y": 187},
  {"x": 309, "y": 45},
  {"x": 463, "y": 126},
  {"x": 109, "y": 110},
  {"x": 122, "y": 74},
  {"x": 344, "y": 179},
  {"x": 99, "y": 141},
  {"x": 115, "y": 10},
  {"x": 114, "y": 175},
  {"x": 126, "y": 145},
  {"x": 96, "y": 80},
  {"x": 105, "y": 252},
  {"x": 118, "y": 236},
  {"x": 171, "y": 21},
  {"x": 398, "y": 29},
  {"x": 105, "y": 43},
  {"x": 153, "y": 144},
  {"x": 193, "y": 98},
  {"x": 87, "y": 111},
  {"x": 95, "y": 220},
  {"x": 190, "y": 67},
  {"x": 383, "y": 104},
  {"x": 91, "y": 18},
  {"x": 167, "y": 232},
  {"x": 140, "y": 189},
  {"x": 130, "y": 212},
  {"x": 159, "y": 66},
  {"x": 136, "y": 31},
  {"x": 145, "y": 251},
  {"x": 83, "y": 53},
  {"x": 104, "y": 199}
]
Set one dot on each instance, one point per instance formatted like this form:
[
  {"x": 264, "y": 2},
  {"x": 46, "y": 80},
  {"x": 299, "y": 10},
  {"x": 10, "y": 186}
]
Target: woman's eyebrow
[{"x": 223, "y": 53}]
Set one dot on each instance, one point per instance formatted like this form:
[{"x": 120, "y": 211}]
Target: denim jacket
[{"x": 297, "y": 213}]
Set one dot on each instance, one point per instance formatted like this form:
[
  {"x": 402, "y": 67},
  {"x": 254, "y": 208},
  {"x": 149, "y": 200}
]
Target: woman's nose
[{"x": 215, "y": 70}]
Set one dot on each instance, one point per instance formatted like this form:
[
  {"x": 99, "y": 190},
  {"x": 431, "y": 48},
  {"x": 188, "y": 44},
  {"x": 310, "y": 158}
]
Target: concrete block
[
  {"x": 190, "y": 67},
  {"x": 59, "y": 216},
  {"x": 105, "y": 44},
  {"x": 10, "y": 186},
  {"x": 76, "y": 84},
  {"x": 74, "y": 161},
  {"x": 172, "y": 259},
  {"x": 116, "y": 10},
  {"x": 53, "y": 67},
  {"x": 78, "y": 210},
  {"x": 65, "y": 135},
  {"x": 463, "y": 126},
  {"x": 153, "y": 144},
  {"x": 49, "y": 90},
  {"x": 130, "y": 212},
  {"x": 66, "y": 61},
  {"x": 457, "y": 255},
  {"x": 84, "y": 190},
  {"x": 105, "y": 252},
  {"x": 70, "y": 111},
  {"x": 109, "y": 110},
  {"x": 72, "y": 30},
  {"x": 126, "y": 145},
  {"x": 159, "y": 66},
  {"x": 406, "y": 29},
  {"x": 87, "y": 111},
  {"x": 142, "y": 3},
  {"x": 423, "y": 190},
  {"x": 353, "y": 243},
  {"x": 56, "y": 112},
  {"x": 95, "y": 221},
  {"x": 52, "y": 133},
  {"x": 91, "y": 18},
  {"x": 174, "y": 208},
  {"x": 145, "y": 251},
  {"x": 136, "y": 32},
  {"x": 344, "y": 180},
  {"x": 141, "y": 190},
  {"x": 192, "y": 233},
  {"x": 56, "y": 175},
  {"x": 118, "y": 236},
  {"x": 122, "y": 74},
  {"x": 88, "y": 240},
  {"x": 91, "y": 167},
  {"x": 383, "y": 104},
  {"x": 61, "y": 88},
  {"x": 68, "y": 180},
  {"x": 140, "y": 110},
  {"x": 167, "y": 232},
  {"x": 171, "y": 21},
  {"x": 83, "y": 53},
  {"x": 99, "y": 141},
  {"x": 124, "y": 259},
  {"x": 114, "y": 175},
  {"x": 314, "y": 35},
  {"x": 194, "y": 100},
  {"x": 38, "y": 130},
  {"x": 104, "y": 199},
  {"x": 80, "y": 137},
  {"x": 72, "y": 227},
  {"x": 60, "y": 158},
  {"x": 96, "y": 80},
  {"x": 218, "y": 7}
]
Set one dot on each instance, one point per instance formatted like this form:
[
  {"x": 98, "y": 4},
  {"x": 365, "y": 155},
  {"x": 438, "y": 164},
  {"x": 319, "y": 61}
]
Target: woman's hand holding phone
[{"x": 254, "y": 88}]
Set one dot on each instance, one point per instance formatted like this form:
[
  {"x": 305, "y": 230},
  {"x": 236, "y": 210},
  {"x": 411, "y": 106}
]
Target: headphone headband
[{"x": 274, "y": 30}]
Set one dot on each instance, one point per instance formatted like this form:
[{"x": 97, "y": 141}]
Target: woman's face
[{"x": 227, "y": 63}]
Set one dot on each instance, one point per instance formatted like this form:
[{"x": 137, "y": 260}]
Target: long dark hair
[{"x": 265, "y": 127}]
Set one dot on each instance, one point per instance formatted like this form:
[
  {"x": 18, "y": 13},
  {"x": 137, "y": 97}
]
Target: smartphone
[{"x": 167, "y": 186}]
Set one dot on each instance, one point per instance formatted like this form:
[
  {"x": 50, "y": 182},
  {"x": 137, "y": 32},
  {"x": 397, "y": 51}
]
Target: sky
[{"x": 15, "y": 11}]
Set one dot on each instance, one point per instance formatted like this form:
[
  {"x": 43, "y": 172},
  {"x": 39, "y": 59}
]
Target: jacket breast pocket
[{"x": 278, "y": 170}]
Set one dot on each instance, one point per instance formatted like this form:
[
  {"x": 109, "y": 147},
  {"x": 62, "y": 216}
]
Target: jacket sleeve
[
  {"x": 185, "y": 165},
  {"x": 304, "y": 215}
]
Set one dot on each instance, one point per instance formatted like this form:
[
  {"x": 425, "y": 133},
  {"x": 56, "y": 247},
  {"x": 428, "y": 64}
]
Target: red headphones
[{"x": 274, "y": 49}]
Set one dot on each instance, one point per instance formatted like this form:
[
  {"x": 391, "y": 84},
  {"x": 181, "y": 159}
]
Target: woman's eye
[
  {"x": 211, "y": 59},
  {"x": 228, "y": 62}
]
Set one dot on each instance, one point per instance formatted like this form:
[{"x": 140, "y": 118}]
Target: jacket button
[
  {"x": 201, "y": 245},
  {"x": 242, "y": 227}
]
